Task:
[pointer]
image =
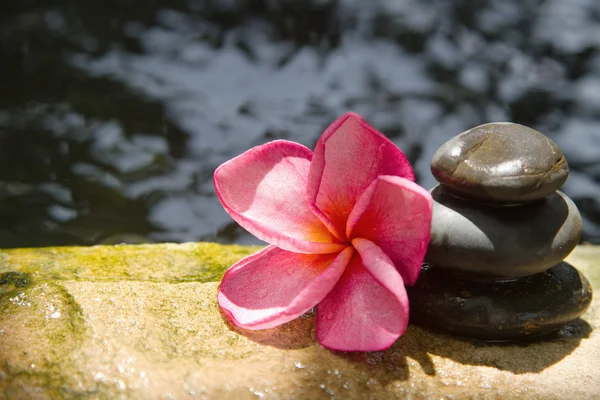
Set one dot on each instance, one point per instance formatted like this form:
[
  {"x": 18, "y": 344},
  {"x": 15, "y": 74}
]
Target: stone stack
[{"x": 494, "y": 268}]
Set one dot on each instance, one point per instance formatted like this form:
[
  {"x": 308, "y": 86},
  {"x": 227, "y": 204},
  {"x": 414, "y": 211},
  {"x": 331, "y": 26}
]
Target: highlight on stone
[{"x": 347, "y": 228}]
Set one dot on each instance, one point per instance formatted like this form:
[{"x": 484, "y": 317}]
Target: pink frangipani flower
[{"x": 347, "y": 228}]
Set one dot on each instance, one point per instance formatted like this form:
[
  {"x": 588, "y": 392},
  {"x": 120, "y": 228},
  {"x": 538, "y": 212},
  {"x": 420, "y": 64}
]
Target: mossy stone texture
[{"x": 141, "y": 322}]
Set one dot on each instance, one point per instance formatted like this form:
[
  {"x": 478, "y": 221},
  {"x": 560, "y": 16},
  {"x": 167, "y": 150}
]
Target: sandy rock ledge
[{"x": 141, "y": 322}]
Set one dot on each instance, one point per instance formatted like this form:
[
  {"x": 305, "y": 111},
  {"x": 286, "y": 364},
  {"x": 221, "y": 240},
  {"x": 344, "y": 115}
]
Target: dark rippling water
[{"x": 114, "y": 114}]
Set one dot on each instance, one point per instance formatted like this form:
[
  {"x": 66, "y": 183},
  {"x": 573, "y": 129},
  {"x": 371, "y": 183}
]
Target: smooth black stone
[
  {"x": 502, "y": 241},
  {"x": 455, "y": 303},
  {"x": 500, "y": 163}
]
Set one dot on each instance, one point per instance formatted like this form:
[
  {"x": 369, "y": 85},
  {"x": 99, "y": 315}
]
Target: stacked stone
[{"x": 494, "y": 268}]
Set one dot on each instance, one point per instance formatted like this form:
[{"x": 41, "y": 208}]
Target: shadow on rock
[
  {"x": 296, "y": 334},
  {"x": 391, "y": 364},
  {"x": 525, "y": 356}
]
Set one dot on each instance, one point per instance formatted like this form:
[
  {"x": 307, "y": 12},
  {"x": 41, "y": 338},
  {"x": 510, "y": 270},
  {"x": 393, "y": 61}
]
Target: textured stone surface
[
  {"x": 139, "y": 332},
  {"x": 500, "y": 162},
  {"x": 502, "y": 241},
  {"x": 533, "y": 305}
]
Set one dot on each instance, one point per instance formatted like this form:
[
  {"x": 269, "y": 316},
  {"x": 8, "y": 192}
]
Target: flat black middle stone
[{"x": 459, "y": 304}]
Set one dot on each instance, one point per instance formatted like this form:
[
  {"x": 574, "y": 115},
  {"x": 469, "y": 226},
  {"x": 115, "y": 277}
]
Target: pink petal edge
[
  {"x": 395, "y": 214},
  {"x": 275, "y": 286},
  {"x": 264, "y": 190},
  {"x": 348, "y": 156},
  {"x": 368, "y": 308}
]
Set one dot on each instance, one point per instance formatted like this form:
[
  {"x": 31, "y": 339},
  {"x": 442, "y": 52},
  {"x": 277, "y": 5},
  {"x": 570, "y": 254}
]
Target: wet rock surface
[
  {"x": 504, "y": 242},
  {"x": 500, "y": 163},
  {"x": 535, "y": 305},
  {"x": 135, "y": 331}
]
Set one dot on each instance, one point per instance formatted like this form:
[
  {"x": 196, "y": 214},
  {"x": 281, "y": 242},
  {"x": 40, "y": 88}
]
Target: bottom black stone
[{"x": 457, "y": 303}]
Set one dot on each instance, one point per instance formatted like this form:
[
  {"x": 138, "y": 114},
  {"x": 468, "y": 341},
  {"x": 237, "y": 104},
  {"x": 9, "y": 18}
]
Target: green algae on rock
[
  {"x": 18, "y": 279},
  {"x": 40, "y": 326},
  {"x": 131, "y": 336},
  {"x": 188, "y": 262}
]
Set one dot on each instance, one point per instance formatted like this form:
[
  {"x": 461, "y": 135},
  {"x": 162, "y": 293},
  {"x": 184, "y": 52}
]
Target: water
[{"x": 114, "y": 114}]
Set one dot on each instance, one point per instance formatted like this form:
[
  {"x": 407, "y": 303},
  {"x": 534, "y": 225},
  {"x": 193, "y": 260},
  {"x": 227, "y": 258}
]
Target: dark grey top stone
[{"x": 500, "y": 162}]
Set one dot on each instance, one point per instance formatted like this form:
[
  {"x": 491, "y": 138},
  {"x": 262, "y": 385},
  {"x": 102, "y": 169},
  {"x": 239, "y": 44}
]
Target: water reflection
[{"x": 115, "y": 114}]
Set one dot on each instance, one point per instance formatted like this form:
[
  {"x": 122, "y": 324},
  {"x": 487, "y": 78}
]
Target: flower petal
[
  {"x": 395, "y": 213},
  {"x": 347, "y": 157},
  {"x": 264, "y": 190},
  {"x": 275, "y": 286},
  {"x": 368, "y": 308}
]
